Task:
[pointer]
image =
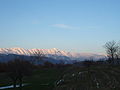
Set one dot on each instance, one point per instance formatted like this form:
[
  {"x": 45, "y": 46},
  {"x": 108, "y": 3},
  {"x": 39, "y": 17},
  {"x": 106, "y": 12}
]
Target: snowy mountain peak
[{"x": 54, "y": 53}]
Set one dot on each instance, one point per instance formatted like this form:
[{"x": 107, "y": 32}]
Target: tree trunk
[
  {"x": 20, "y": 83},
  {"x": 14, "y": 83},
  {"x": 112, "y": 59}
]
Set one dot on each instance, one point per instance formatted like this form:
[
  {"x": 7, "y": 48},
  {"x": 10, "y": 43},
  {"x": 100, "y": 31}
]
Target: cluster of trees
[
  {"x": 19, "y": 68},
  {"x": 16, "y": 70}
]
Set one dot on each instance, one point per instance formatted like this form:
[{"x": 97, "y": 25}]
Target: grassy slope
[
  {"x": 42, "y": 79},
  {"x": 107, "y": 77}
]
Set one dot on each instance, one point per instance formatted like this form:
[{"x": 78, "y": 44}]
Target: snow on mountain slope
[{"x": 54, "y": 53}]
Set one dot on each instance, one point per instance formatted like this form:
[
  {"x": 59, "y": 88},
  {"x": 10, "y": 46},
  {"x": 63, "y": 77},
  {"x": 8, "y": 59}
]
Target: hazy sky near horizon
[{"x": 72, "y": 25}]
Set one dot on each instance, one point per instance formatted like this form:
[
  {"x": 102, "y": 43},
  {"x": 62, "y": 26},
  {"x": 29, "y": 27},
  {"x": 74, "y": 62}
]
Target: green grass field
[
  {"x": 72, "y": 78},
  {"x": 42, "y": 79}
]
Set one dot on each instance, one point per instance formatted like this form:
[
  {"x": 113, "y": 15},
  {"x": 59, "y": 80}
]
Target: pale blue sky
[{"x": 72, "y": 25}]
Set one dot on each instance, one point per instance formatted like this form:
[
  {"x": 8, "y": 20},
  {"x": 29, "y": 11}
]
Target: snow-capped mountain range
[{"x": 52, "y": 53}]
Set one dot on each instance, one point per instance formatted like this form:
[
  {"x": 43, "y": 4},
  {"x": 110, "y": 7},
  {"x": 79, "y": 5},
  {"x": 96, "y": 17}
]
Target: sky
[{"x": 71, "y": 25}]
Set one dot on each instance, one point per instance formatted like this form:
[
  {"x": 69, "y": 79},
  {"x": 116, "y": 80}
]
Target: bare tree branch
[{"x": 111, "y": 50}]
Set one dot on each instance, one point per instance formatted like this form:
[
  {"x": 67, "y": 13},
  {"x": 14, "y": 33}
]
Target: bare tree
[
  {"x": 17, "y": 69},
  {"x": 118, "y": 51},
  {"x": 39, "y": 55},
  {"x": 111, "y": 50},
  {"x": 12, "y": 72}
]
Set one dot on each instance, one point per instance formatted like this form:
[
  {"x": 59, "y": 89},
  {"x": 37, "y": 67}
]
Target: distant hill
[{"x": 53, "y": 54}]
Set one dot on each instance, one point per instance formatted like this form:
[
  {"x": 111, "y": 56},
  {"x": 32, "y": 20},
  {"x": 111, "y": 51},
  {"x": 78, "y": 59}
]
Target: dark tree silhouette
[
  {"x": 88, "y": 63},
  {"x": 39, "y": 56},
  {"x": 17, "y": 69},
  {"x": 2, "y": 67},
  {"x": 118, "y": 51},
  {"x": 111, "y": 50},
  {"x": 48, "y": 64}
]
